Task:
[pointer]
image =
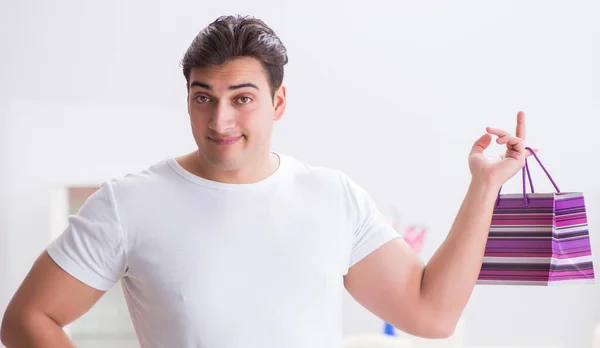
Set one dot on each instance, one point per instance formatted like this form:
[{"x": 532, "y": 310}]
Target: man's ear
[{"x": 279, "y": 102}]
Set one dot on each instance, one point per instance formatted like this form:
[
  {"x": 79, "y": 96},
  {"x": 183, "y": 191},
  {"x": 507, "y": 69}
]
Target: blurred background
[{"x": 392, "y": 93}]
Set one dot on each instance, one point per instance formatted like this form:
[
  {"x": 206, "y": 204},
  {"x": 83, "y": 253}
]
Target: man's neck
[{"x": 260, "y": 169}]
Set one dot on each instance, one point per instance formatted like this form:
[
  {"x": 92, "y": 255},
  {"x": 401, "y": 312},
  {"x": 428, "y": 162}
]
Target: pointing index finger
[{"x": 521, "y": 125}]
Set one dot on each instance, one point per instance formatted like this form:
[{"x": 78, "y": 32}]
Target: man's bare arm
[
  {"x": 47, "y": 300},
  {"x": 427, "y": 301}
]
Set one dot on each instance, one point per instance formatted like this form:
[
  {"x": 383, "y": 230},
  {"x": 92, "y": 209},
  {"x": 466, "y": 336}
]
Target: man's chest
[{"x": 267, "y": 259}]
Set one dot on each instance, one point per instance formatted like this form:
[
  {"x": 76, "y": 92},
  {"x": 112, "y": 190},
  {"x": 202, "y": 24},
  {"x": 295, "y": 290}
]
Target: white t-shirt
[{"x": 216, "y": 265}]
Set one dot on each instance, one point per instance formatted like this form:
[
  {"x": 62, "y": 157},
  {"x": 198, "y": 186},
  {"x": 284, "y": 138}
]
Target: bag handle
[
  {"x": 543, "y": 168},
  {"x": 527, "y": 174}
]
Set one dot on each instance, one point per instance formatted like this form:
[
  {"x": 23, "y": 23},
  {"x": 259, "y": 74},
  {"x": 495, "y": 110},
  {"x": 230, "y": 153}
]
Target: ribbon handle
[
  {"x": 543, "y": 168},
  {"x": 527, "y": 173}
]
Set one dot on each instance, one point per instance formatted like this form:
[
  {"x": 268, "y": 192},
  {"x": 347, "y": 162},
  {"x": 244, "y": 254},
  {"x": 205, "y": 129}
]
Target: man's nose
[{"x": 222, "y": 119}]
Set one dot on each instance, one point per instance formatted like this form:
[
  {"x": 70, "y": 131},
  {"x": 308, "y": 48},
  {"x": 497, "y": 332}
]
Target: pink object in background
[{"x": 414, "y": 236}]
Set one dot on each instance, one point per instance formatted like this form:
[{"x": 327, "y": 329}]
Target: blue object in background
[{"x": 389, "y": 330}]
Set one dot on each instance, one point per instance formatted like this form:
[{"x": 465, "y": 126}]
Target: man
[{"x": 233, "y": 245}]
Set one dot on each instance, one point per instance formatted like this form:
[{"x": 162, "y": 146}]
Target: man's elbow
[
  {"x": 15, "y": 325},
  {"x": 442, "y": 330},
  {"x": 435, "y": 331},
  {"x": 433, "y": 327},
  {"x": 8, "y": 329}
]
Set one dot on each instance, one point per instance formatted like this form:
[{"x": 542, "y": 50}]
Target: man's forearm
[
  {"x": 36, "y": 330},
  {"x": 451, "y": 274}
]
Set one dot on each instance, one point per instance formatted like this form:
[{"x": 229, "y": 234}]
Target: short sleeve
[
  {"x": 368, "y": 227},
  {"x": 91, "y": 247}
]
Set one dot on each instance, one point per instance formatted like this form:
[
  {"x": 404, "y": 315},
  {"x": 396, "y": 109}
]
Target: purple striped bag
[{"x": 538, "y": 238}]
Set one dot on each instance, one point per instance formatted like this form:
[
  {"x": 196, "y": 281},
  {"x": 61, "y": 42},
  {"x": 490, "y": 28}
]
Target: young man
[{"x": 233, "y": 245}]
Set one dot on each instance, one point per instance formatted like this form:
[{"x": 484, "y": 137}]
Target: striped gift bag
[{"x": 538, "y": 238}]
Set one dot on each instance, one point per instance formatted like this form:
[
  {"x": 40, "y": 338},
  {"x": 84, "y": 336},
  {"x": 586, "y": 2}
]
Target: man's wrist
[{"x": 485, "y": 188}]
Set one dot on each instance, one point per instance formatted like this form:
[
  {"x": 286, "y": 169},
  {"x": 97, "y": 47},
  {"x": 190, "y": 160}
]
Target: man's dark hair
[{"x": 236, "y": 36}]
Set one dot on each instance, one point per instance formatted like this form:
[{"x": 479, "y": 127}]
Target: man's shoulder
[
  {"x": 303, "y": 169},
  {"x": 153, "y": 177},
  {"x": 319, "y": 174}
]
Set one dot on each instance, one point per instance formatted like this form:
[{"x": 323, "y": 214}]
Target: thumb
[{"x": 481, "y": 144}]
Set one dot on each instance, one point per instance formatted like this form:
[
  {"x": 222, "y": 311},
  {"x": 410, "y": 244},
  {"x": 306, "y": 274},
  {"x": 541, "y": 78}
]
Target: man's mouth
[{"x": 223, "y": 141}]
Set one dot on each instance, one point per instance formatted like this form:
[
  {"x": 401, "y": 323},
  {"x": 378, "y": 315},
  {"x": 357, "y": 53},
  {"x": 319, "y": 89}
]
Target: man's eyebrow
[
  {"x": 242, "y": 85},
  {"x": 233, "y": 87},
  {"x": 200, "y": 84}
]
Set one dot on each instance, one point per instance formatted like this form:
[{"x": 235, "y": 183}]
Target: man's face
[{"x": 232, "y": 112}]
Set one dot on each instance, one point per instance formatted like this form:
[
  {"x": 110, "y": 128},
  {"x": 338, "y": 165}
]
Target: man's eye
[
  {"x": 244, "y": 100},
  {"x": 202, "y": 99}
]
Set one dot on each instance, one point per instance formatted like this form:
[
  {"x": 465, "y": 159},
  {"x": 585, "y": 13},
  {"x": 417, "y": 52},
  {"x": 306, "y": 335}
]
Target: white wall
[
  {"x": 4, "y": 24},
  {"x": 403, "y": 89},
  {"x": 3, "y": 207}
]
